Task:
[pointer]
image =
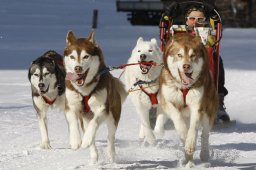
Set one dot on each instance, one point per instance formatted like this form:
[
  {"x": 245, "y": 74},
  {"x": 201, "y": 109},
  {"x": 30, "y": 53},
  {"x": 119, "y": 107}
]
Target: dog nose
[
  {"x": 143, "y": 57},
  {"x": 78, "y": 69},
  {"x": 186, "y": 67},
  {"x": 41, "y": 85}
]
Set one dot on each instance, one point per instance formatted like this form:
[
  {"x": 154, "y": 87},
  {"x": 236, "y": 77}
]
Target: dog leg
[
  {"x": 90, "y": 133},
  {"x": 204, "y": 154},
  {"x": 111, "y": 138},
  {"x": 160, "y": 122},
  {"x": 93, "y": 153},
  {"x": 146, "y": 128},
  {"x": 74, "y": 136},
  {"x": 85, "y": 123},
  {"x": 44, "y": 131},
  {"x": 178, "y": 121},
  {"x": 190, "y": 143},
  {"x": 141, "y": 133}
]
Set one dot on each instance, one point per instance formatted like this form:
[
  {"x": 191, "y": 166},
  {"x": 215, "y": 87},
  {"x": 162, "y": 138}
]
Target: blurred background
[
  {"x": 29, "y": 28},
  {"x": 234, "y": 13}
]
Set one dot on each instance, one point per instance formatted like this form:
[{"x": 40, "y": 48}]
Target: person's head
[{"x": 195, "y": 16}]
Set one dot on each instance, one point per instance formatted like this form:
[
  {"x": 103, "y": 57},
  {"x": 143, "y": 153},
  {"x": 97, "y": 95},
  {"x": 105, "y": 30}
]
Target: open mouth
[
  {"x": 145, "y": 66},
  {"x": 42, "y": 91},
  {"x": 79, "y": 79},
  {"x": 186, "y": 78}
]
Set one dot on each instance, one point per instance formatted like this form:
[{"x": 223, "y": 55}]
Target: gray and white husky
[
  {"x": 47, "y": 77},
  {"x": 93, "y": 94}
]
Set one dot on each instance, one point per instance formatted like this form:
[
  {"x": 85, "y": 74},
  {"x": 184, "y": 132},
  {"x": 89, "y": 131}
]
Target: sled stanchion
[
  {"x": 94, "y": 19},
  {"x": 218, "y": 55}
]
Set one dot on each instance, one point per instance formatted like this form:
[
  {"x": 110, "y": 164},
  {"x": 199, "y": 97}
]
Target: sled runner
[{"x": 218, "y": 126}]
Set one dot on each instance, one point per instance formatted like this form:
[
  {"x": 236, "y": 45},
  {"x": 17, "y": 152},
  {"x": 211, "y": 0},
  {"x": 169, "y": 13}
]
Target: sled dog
[
  {"x": 187, "y": 92},
  {"x": 47, "y": 77},
  {"x": 93, "y": 95},
  {"x": 145, "y": 78}
]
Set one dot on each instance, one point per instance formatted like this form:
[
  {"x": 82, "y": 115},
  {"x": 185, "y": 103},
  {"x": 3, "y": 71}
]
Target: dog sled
[{"x": 172, "y": 22}]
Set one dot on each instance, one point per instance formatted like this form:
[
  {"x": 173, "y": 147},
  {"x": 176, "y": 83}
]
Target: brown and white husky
[
  {"x": 93, "y": 94},
  {"x": 187, "y": 92}
]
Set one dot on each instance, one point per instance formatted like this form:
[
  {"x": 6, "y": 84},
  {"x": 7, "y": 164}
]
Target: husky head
[
  {"x": 83, "y": 59},
  {"x": 42, "y": 75},
  {"x": 146, "y": 51},
  {"x": 186, "y": 59}
]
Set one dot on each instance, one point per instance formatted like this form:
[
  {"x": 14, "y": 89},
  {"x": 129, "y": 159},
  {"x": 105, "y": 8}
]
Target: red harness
[
  {"x": 184, "y": 93},
  {"x": 152, "y": 96},
  {"x": 86, "y": 105},
  {"x": 48, "y": 100}
]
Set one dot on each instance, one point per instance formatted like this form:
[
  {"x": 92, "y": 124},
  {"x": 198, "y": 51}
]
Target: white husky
[{"x": 145, "y": 77}]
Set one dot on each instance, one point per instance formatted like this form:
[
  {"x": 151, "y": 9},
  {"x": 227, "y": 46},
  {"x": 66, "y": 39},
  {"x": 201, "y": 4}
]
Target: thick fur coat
[
  {"x": 47, "y": 77},
  {"x": 188, "y": 95},
  {"x": 93, "y": 95}
]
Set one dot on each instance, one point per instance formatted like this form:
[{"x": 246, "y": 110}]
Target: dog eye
[
  {"x": 86, "y": 57},
  {"x": 179, "y": 55},
  {"x": 193, "y": 56},
  {"x": 150, "y": 51},
  {"x": 37, "y": 75},
  {"x": 72, "y": 57},
  {"x": 139, "y": 51},
  {"x": 45, "y": 74}
]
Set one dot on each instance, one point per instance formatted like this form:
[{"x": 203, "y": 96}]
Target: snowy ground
[{"x": 30, "y": 28}]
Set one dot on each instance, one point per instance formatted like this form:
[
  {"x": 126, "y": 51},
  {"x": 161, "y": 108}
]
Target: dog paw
[
  {"x": 151, "y": 139},
  {"x": 75, "y": 144},
  {"x": 190, "y": 147},
  {"x": 87, "y": 141},
  {"x": 159, "y": 134},
  {"x": 45, "y": 145},
  {"x": 111, "y": 158},
  {"x": 190, "y": 164}
]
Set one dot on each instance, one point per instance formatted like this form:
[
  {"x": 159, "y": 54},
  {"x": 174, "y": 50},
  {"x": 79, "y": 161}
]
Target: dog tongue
[
  {"x": 185, "y": 78},
  {"x": 71, "y": 76}
]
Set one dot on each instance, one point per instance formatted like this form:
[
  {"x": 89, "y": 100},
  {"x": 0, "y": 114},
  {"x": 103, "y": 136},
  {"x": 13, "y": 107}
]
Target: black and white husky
[
  {"x": 47, "y": 77},
  {"x": 93, "y": 94}
]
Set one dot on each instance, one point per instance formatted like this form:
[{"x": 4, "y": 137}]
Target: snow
[{"x": 29, "y": 28}]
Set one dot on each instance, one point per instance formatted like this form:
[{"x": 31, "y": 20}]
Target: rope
[
  {"x": 143, "y": 62},
  {"x": 133, "y": 90}
]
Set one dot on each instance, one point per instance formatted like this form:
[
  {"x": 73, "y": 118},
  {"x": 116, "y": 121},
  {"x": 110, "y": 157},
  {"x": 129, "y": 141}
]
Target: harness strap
[
  {"x": 86, "y": 105},
  {"x": 152, "y": 96},
  {"x": 48, "y": 100},
  {"x": 184, "y": 93}
]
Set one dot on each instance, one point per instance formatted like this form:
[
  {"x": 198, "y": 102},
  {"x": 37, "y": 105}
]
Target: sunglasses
[{"x": 200, "y": 19}]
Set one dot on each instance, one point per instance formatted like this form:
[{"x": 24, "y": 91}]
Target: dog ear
[
  {"x": 140, "y": 39},
  {"x": 70, "y": 38},
  {"x": 91, "y": 37},
  {"x": 154, "y": 41}
]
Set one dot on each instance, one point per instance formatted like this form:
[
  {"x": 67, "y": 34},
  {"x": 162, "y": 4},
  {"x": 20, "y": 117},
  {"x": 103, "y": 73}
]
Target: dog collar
[{"x": 48, "y": 100}]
